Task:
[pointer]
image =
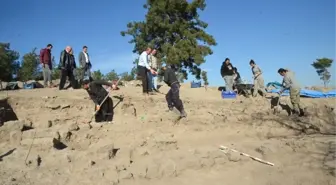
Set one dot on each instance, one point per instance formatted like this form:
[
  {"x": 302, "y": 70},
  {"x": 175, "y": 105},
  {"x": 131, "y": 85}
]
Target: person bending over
[
  {"x": 289, "y": 82},
  {"x": 98, "y": 93},
  {"x": 173, "y": 95}
]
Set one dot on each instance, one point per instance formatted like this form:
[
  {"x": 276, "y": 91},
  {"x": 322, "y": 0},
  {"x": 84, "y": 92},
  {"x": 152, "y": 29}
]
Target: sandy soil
[{"x": 145, "y": 146}]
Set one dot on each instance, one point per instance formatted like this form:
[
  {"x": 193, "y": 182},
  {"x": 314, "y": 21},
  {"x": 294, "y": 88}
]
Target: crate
[
  {"x": 196, "y": 84},
  {"x": 228, "y": 95}
]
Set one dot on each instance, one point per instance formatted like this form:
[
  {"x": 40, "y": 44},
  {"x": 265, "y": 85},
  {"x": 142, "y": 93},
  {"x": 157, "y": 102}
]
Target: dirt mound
[{"x": 50, "y": 142}]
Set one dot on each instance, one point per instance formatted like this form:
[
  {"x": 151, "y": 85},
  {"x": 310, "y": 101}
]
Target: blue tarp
[
  {"x": 275, "y": 84},
  {"x": 309, "y": 93}
]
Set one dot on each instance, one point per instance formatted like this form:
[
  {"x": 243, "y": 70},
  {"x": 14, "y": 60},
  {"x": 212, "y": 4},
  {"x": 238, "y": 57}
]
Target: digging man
[
  {"x": 97, "y": 93},
  {"x": 289, "y": 82},
  {"x": 173, "y": 95}
]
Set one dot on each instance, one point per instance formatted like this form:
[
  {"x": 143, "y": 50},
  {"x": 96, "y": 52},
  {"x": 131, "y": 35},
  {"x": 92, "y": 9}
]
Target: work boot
[{"x": 183, "y": 114}]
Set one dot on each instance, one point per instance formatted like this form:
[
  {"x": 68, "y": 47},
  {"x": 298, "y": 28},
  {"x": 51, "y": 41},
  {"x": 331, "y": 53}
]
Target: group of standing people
[
  {"x": 232, "y": 78},
  {"x": 67, "y": 65},
  {"x": 148, "y": 71},
  {"x": 79, "y": 77}
]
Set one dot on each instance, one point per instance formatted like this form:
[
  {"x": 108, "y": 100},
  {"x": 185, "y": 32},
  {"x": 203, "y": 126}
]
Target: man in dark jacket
[
  {"x": 236, "y": 75},
  {"x": 45, "y": 59},
  {"x": 67, "y": 66},
  {"x": 98, "y": 93},
  {"x": 227, "y": 73},
  {"x": 236, "y": 78},
  {"x": 173, "y": 95}
]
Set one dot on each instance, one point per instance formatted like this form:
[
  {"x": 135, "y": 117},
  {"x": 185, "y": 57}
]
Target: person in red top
[{"x": 45, "y": 59}]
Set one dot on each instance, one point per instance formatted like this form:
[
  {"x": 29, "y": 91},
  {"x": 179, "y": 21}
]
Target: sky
[{"x": 287, "y": 33}]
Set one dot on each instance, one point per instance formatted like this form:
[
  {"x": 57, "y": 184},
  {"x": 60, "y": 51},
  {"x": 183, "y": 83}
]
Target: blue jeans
[{"x": 152, "y": 81}]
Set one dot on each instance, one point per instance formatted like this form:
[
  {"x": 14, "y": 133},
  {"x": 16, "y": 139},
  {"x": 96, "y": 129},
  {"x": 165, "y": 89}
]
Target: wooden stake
[
  {"x": 30, "y": 148},
  {"x": 223, "y": 148}
]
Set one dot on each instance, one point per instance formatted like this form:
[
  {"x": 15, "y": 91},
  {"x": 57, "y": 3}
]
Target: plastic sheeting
[{"x": 309, "y": 93}]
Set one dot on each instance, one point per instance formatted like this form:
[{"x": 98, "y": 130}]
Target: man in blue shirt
[{"x": 143, "y": 68}]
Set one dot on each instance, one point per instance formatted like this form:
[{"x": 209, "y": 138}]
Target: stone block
[{"x": 15, "y": 137}]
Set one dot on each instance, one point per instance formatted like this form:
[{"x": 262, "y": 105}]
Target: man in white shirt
[{"x": 143, "y": 68}]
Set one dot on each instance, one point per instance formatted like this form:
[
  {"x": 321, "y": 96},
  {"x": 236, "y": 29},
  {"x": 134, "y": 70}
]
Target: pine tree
[
  {"x": 174, "y": 28},
  {"x": 321, "y": 65}
]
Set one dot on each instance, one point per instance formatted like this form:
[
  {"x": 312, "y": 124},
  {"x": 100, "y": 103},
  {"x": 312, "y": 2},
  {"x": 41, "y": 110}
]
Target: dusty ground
[{"x": 145, "y": 146}]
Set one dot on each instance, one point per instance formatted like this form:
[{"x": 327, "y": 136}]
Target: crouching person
[
  {"x": 173, "y": 95},
  {"x": 97, "y": 93},
  {"x": 290, "y": 83}
]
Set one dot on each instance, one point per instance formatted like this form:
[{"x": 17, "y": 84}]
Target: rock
[
  {"x": 125, "y": 175},
  {"x": 49, "y": 124},
  {"x": 84, "y": 126},
  {"x": 16, "y": 125},
  {"x": 190, "y": 162},
  {"x": 81, "y": 145},
  {"x": 169, "y": 169},
  {"x": 166, "y": 142},
  {"x": 40, "y": 133},
  {"x": 53, "y": 106},
  {"x": 153, "y": 170},
  {"x": 111, "y": 175},
  {"x": 15, "y": 137},
  {"x": 68, "y": 159},
  {"x": 127, "y": 153},
  {"x": 138, "y": 169},
  {"x": 207, "y": 162},
  {"x": 92, "y": 163},
  {"x": 73, "y": 127},
  {"x": 220, "y": 160},
  {"x": 215, "y": 154},
  {"x": 40, "y": 142},
  {"x": 233, "y": 156}
]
